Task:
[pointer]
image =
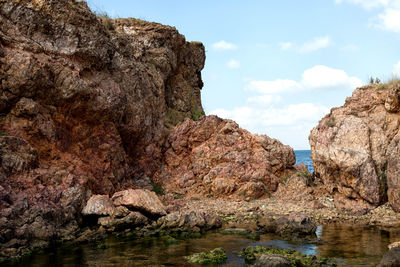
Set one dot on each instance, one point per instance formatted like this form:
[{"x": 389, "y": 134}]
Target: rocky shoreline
[{"x": 102, "y": 131}]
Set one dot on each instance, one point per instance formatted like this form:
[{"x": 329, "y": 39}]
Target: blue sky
[{"x": 277, "y": 67}]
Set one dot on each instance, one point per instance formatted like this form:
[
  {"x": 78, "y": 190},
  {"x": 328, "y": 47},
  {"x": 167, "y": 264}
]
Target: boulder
[
  {"x": 391, "y": 258},
  {"x": 294, "y": 225},
  {"x": 394, "y": 245},
  {"x": 355, "y": 148},
  {"x": 140, "y": 199},
  {"x": 131, "y": 220},
  {"x": 100, "y": 205},
  {"x": 213, "y": 156},
  {"x": 190, "y": 219}
]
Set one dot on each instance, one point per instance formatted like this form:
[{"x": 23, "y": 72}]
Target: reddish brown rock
[
  {"x": 139, "y": 199},
  {"x": 86, "y": 104},
  {"x": 190, "y": 220},
  {"x": 355, "y": 148},
  {"x": 98, "y": 205},
  {"x": 16, "y": 155},
  {"x": 131, "y": 220},
  {"x": 215, "y": 157}
]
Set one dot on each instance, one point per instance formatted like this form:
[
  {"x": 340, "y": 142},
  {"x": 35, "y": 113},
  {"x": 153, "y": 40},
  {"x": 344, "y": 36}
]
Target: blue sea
[{"x": 304, "y": 156}]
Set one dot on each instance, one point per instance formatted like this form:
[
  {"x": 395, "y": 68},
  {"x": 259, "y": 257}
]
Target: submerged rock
[
  {"x": 274, "y": 256},
  {"x": 235, "y": 231},
  {"x": 272, "y": 260},
  {"x": 215, "y": 157},
  {"x": 355, "y": 149},
  {"x": 215, "y": 256}
]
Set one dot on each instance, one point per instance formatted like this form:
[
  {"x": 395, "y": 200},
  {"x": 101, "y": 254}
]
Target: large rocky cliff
[
  {"x": 88, "y": 107},
  {"x": 85, "y": 106},
  {"x": 355, "y": 148}
]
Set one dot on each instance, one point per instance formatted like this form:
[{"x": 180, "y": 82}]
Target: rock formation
[
  {"x": 355, "y": 148},
  {"x": 215, "y": 157},
  {"x": 86, "y": 103},
  {"x": 88, "y": 107}
]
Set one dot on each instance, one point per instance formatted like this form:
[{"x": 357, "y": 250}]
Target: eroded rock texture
[
  {"x": 88, "y": 108},
  {"x": 355, "y": 148},
  {"x": 85, "y": 106},
  {"x": 215, "y": 157}
]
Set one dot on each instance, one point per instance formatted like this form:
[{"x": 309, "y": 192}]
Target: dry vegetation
[{"x": 378, "y": 85}]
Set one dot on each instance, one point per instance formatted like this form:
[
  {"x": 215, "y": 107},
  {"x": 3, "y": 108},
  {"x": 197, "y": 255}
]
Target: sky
[{"x": 278, "y": 67}]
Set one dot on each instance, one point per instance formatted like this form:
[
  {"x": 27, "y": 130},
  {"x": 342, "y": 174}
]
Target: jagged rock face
[
  {"x": 86, "y": 104},
  {"x": 355, "y": 148},
  {"x": 215, "y": 157}
]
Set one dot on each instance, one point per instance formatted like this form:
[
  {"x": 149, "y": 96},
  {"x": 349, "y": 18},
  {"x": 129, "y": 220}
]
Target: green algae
[
  {"x": 215, "y": 256},
  {"x": 296, "y": 258}
]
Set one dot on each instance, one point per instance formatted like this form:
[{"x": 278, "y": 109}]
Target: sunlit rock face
[
  {"x": 355, "y": 148},
  {"x": 215, "y": 157},
  {"x": 93, "y": 109},
  {"x": 86, "y": 104}
]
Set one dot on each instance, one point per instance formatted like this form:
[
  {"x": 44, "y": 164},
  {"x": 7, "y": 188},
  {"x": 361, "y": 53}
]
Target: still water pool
[{"x": 350, "y": 245}]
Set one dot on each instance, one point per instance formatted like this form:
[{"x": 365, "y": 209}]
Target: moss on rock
[
  {"x": 296, "y": 258},
  {"x": 216, "y": 256}
]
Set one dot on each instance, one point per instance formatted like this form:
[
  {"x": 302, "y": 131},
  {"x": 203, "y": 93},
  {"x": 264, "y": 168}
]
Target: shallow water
[{"x": 350, "y": 245}]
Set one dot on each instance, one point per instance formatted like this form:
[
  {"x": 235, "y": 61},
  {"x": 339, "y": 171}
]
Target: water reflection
[
  {"x": 358, "y": 246},
  {"x": 351, "y": 245}
]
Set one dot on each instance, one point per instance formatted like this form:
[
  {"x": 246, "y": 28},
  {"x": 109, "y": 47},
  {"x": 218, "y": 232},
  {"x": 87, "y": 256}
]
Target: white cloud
[
  {"x": 286, "y": 45},
  {"x": 309, "y": 46},
  {"x": 264, "y": 99},
  {"x": 321, "y": 77},
  {"x": 396, "y": 70},
  {"x": 272, "y": 87},
  {"x": 389, "y": 20},
  {"x": 367, "y": 4},
  {"x": 291, "y": 124},
  {"x": 316, "y": 78},
  {"x": 389, "y": 12},
  {"x": 224, "y": 46},
  {"x": 233, "y": 64},
  {"x": 350, "y": 48},
  {"x": 316, "y": 44}
]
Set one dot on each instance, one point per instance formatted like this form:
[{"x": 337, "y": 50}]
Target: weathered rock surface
[
  {"x": 115, "y": 215},
  {"x": 215, "y": 157},
  {"x": 140, "y": 199},
  {"x": 355, "y": 148},
  {"x": 131, "y": 220},
  {"x": 272, "y": 261},
  {"x": 191, "y": 219},
  {"x": 86, "y": 104},
  {"x": 294, "y": 225},
  {"x": 391, "y": 258},
  {"x": 98, "y": 205},
  {"x": 394, "y": 245},
  {"x": 88, "y": 107}
]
